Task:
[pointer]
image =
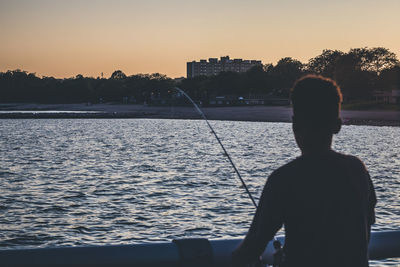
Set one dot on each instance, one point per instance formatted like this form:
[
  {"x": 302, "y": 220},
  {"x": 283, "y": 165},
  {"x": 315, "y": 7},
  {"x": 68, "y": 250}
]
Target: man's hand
[{"x": 239, "y": 261}]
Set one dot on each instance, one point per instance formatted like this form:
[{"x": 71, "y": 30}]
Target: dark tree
[
  {"x": 389, "y": 79},
  {"x": 285, "y": 73},
  {"x": 356, "y": 83},
  {"x": 256, "y": 80},
  {"x": 379, "y": 59},
  {"x": 324, "y": 64},
  {"x": 118, "y": 75}
]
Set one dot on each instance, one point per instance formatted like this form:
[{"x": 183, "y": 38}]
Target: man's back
[
  {"x": 326, "y": 203},
  {"x": 324, "y": 199}
]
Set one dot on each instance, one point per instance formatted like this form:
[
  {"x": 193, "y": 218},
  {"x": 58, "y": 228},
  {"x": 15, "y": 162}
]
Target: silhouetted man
[{"x": 324, "y": 199}]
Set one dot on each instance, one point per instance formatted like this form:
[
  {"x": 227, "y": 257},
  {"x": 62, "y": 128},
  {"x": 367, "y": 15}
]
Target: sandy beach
[{"x": 241, "y": 113}]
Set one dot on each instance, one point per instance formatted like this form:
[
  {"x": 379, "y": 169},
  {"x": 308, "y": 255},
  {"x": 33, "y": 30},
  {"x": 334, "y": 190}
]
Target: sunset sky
[{"x": 65, "y": 38}]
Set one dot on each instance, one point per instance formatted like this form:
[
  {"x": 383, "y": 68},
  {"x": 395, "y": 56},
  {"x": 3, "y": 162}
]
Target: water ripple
[{"x": 80, "y": 182}]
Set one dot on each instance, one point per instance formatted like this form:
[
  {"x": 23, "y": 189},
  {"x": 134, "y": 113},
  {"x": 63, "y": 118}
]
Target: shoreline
[{"x": 233, "y": 113}]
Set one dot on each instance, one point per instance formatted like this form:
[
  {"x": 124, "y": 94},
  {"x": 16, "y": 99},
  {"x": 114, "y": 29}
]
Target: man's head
[{"x": 316, "y": 106}]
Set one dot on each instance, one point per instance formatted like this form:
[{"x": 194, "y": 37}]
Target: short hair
[{"x": 316, "y": 101}]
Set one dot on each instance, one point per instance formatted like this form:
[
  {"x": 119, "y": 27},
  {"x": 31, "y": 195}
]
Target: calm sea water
[{"x": 120, "y": 181}]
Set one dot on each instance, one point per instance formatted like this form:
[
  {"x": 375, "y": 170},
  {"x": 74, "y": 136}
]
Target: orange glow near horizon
[{"x": 66, "y": 38}]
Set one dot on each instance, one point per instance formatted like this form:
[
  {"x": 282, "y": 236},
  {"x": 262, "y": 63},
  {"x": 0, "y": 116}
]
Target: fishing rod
[{"x": 220, "y": 143}]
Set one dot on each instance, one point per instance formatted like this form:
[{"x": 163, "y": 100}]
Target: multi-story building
[{"x": 215, "y": 66}]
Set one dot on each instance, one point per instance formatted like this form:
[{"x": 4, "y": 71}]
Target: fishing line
[{"x": 220, "y": 143}]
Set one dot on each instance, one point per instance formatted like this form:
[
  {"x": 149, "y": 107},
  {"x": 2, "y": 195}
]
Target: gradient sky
[{"x": 65, "y": 38}]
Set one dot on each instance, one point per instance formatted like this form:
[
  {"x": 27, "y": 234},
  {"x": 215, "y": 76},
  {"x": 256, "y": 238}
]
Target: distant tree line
[
  {"x": 20, "y": 86},
  {"x": 358, "y": 72}
]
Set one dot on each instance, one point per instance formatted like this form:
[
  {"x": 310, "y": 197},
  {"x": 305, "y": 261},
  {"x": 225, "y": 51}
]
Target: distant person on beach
[{"x": 324, "y": 199}]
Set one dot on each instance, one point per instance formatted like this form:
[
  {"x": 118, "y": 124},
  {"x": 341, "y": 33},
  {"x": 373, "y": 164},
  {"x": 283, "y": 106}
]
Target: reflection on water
[{"x": 79, "y": 182}]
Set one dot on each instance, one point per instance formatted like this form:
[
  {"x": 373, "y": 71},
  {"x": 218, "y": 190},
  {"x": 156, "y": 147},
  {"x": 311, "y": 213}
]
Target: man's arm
[
  {"x": 266, "y": 222},
  {"x": 371, "y": 204}
]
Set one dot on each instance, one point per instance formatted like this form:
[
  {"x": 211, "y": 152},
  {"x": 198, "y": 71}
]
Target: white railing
[{"x": 190, "y": 252}]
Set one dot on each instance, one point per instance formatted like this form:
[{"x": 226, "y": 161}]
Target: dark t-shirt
[{"x": 325, "y": 202}]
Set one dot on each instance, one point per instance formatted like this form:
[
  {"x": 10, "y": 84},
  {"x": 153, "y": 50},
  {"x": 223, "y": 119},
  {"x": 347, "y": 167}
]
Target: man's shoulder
[
  {"x": 285, "y": 169},
  {"x": 289, "y": 166},
  {"x": 346, "y": 156},
  {"x": 343, "y": 160},
  {"x": 351, "y": 161}
]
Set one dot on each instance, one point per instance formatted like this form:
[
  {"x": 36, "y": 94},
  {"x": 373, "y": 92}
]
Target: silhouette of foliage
[
  {"x": 325, "y": 64},
  {"x": 359, "y": 72},
  {"x": 118, "y": 75}
]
